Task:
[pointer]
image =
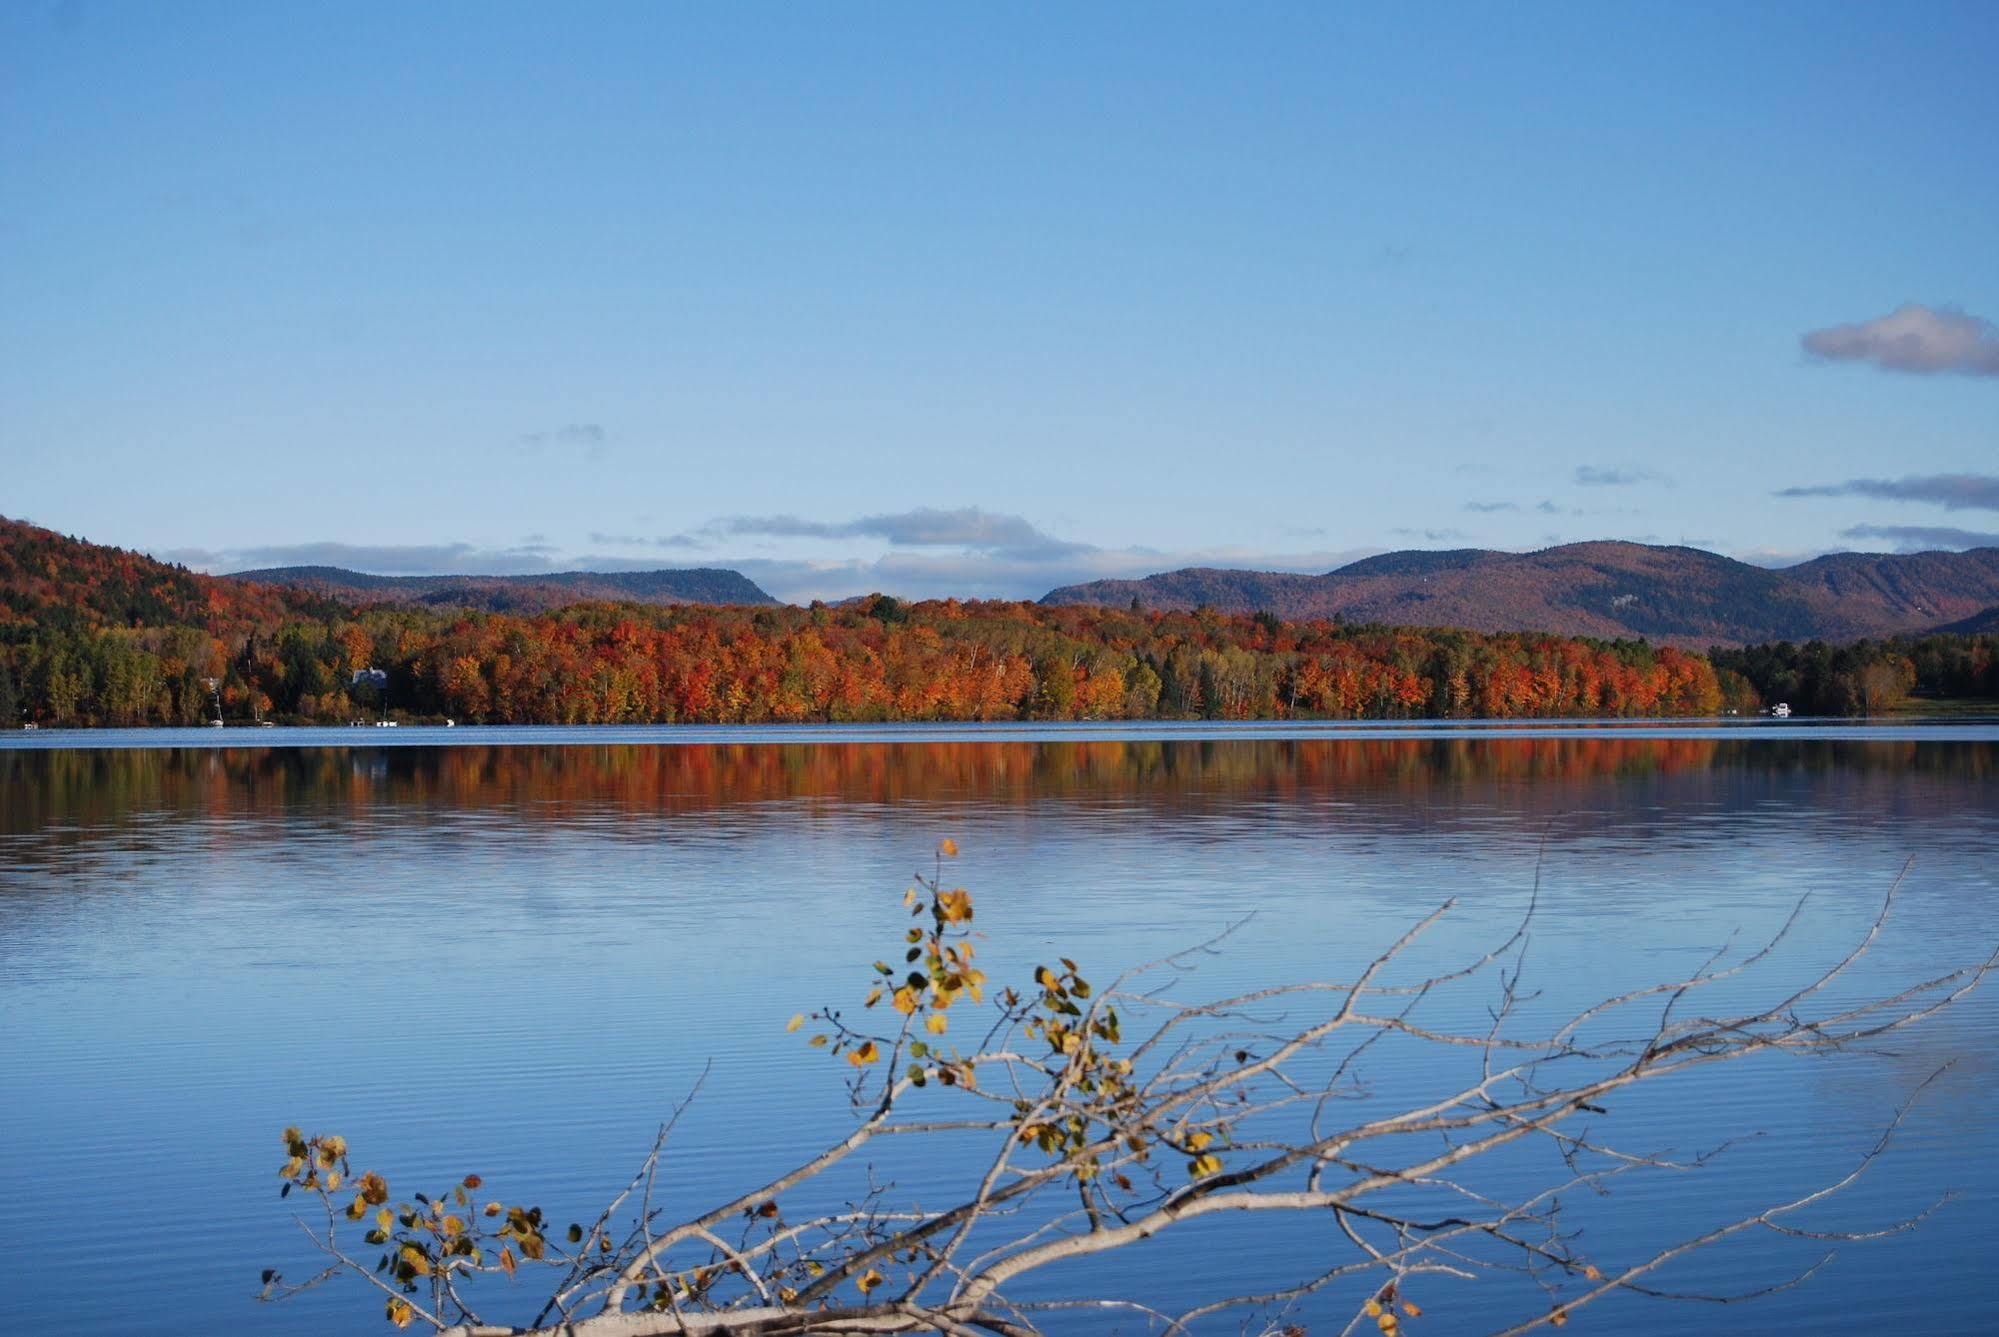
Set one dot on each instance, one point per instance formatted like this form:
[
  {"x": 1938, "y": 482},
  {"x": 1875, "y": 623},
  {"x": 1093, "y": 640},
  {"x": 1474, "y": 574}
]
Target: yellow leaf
[
  {"x": 507, "y": 1263},
  {"x": 332, "y": 1180},
  {"x": 955, "y": 906},
  {"x": 1202, "y": 1166},
  {"x": 399, "y": 1311},
  {"x": 905, "y": 1000},
  {"x": 948, "y": 848},
  {"x": 937, "y": 1023},
  {"x": 383, "y": 1216},
  {"x": 1592, "y": 1273},
  {"x": 1558, "y": 1317},
  {"x": 1387, "y": 1322},
  {"x": 1200, "y": 1141},
  {"x": 1412, "y": 1309},
  {"x": 1372, "y": 1309},
  {"x": 818, "y": 1042},
  {"x": 874, "y": 996},
  {"x": 868, "y": 1280},
  {"x": 863, "y": 1056},
  {"x": 796, "y": 1021}
]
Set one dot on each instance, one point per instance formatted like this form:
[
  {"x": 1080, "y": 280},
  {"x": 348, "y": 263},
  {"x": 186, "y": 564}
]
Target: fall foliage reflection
[{"x": 85, "y": 787}]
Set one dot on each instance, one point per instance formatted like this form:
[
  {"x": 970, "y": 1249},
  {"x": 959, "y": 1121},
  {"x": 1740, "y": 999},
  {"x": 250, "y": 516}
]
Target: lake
[{"x": 513, "y": 951}]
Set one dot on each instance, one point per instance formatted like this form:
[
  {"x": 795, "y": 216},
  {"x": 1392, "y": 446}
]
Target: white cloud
[{"x": 1913, "y": 338}]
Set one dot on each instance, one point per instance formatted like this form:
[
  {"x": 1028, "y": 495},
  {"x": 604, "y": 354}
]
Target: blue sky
[{"x": 941, "y": 299}]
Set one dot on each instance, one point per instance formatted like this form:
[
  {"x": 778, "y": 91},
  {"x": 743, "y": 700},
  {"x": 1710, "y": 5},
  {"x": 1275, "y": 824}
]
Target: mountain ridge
[
  {"x": 1601, "y": 588},
  {"x": 532, "y": 593}
]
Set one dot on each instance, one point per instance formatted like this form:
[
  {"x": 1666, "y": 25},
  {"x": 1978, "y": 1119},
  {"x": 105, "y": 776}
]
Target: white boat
[{"x": 1781, "y": 710}]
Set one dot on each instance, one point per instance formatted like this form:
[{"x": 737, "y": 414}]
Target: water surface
[{"x": 512, "y": 951}]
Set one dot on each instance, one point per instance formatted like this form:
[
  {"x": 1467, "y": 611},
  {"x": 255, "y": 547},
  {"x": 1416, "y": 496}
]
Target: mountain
[
  {"x": 51, "y": 581},
  {"x": 518, "y": 594},
  {"x": 1686, "y": 596},
  {"x": 1982, "y": 623}
]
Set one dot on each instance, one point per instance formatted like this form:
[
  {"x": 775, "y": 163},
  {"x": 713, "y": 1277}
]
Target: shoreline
[{"x": 1877, "y": 729}]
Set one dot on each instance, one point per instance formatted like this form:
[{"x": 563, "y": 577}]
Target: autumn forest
[{"x": 96, "y": 636}]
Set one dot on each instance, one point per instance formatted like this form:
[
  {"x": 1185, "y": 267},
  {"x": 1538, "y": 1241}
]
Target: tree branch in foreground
[{"x": 1094, "y": 1143}]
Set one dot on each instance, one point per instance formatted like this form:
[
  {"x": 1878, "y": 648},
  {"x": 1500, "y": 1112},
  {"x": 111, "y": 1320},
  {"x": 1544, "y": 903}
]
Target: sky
[{"x": 987, "y": 300}]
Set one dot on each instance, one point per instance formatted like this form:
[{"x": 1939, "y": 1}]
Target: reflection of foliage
[
  {"x": 1905, "y": 782},
  {"x": 1241, "y": 1105}
]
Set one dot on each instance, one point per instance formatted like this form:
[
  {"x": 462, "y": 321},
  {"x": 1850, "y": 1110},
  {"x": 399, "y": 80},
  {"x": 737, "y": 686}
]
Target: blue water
[{"x": 512, "y": 951}]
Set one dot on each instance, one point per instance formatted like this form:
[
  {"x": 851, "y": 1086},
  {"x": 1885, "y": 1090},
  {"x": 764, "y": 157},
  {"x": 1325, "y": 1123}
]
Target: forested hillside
[
  {"x": 1685, "y": 596},
  {"x": 52, "y": 583},
  {"x": 96, "y": 636}
]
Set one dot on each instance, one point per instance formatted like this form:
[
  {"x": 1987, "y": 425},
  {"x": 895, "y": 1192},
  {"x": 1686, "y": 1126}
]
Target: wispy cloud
[
  {"x": 927, "y": 574},
  {"x": 1913, "y": 338},
  {"x": 1922, "y": 538},
  {"x": 966, "y": 551},
  {"x": 681, "y": 541},
  {"x": 588, "y": 439},
  {"x": 1953, "y": 492},
  {"x": 1491, "y": 507},
  {"x": 1588, "y": 475},
  {"x": 924, "y": 527},
  {"x": 417, "y": 559}
]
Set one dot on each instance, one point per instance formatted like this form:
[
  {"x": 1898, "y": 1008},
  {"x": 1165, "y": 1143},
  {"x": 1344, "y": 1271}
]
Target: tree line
[
  {"x": 1866, "y": 677},
  {"x": 93, "y": 635},
  {"x": 876, "y": 659}
]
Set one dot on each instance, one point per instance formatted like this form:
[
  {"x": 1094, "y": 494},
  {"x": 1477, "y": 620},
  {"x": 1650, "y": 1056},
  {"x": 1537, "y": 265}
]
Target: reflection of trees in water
[{"x": 45, "y": 789}]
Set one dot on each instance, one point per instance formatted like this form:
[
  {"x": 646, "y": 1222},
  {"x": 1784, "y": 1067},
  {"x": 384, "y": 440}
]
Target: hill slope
[
  {"x": 1983, "y": 623},
  {"x": 51, "y": 581},
  {"x": 518, "y": 594},
  {"x": 1683, "y": 595}
]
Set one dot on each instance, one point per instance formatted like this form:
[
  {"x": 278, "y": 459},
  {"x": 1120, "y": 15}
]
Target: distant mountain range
[
  {"x": 1685, "y": 596},
  {"x": 518, "y": 594},
  {"x": 1682, "y": 596}
]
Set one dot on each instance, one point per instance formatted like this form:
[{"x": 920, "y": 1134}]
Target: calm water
[{"x": 512, "y": 951}]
